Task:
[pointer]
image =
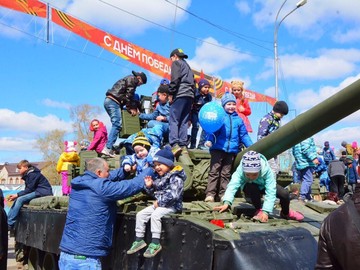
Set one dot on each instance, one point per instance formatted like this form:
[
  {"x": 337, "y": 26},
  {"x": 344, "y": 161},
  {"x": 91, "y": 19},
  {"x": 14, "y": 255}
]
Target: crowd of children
[{"x": 165, "y": 137}]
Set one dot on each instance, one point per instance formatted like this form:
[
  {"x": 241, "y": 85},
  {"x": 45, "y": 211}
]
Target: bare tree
[
  {"x": 51, "y": 145},
  {"x": 81, "y": 116}
]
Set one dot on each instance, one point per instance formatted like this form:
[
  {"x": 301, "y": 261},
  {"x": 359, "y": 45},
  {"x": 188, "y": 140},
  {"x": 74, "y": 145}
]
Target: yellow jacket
[{"x": 67, "y": 158}]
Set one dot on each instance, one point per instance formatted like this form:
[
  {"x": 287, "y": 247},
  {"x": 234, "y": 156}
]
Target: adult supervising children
[
  {"x": 90, "y": 220},
  {"x": 181, "y": 96}
]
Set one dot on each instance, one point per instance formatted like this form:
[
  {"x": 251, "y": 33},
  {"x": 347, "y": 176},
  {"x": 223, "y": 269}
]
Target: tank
[{"x": 200, "y": 238}]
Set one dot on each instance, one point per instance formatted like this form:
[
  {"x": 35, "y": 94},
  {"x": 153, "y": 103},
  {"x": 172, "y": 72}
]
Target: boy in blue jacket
[
  {"x": 160, "y": 116},
  {"x": 224, "y": 145},
  {"x": 167, "y": 187},
  {"x": 255, "y": 177}
]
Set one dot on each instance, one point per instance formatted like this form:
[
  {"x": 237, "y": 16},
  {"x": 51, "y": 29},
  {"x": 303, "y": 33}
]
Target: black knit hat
[{"x": 281, "y": 107}]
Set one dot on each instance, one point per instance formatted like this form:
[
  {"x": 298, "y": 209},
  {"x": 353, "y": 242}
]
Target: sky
[{"x": 41, "y": 79}]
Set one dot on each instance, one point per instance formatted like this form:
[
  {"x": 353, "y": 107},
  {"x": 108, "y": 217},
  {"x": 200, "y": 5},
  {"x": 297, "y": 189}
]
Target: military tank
[{"x": 200, "y": 238}]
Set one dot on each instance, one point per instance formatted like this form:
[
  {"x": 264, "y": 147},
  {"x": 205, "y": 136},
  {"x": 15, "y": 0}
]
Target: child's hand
[
  {"x": 12, "y": 197},
  {"x": 221, "y": 208},
  {"x": 148, "y": 181},
  {"x": 127, "y": 168},
  {"x": 208, "y": 144},
  {"x": 156, "y": 205}
]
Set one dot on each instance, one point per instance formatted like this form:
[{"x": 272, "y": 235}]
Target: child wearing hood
[
  {"x": 224, "y": 146},
  {"x": 167, "y": 187}
]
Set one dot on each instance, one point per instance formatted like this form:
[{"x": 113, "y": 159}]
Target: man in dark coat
[{"x": 338, "y": 246}]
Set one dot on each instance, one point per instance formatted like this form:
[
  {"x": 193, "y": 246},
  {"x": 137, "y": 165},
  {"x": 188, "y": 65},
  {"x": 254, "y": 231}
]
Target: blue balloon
[{"x": 211, "y": 116}]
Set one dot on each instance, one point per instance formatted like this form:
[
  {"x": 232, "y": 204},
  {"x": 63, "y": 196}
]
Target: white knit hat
[{"x": 251, "y": 162}]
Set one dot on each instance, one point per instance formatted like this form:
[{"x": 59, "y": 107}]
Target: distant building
[{"x": 9, "y": 173}]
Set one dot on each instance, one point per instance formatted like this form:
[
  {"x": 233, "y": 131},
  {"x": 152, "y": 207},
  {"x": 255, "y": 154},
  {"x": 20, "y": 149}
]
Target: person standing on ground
[
  {"x": 181, "y": 96},
  {"x": 306, "y": 159},
  {"x": 88, "y": 232},
  {"x": 36, "y": 185},
  {"x": 120, "y": 95}
]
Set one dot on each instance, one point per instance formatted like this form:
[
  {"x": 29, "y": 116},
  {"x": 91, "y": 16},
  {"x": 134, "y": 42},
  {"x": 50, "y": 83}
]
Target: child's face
[
  {"x": 205, "y": 90},
  {"x": 238, "y": 92},
  {"x": 23, "y": 169},
  {"x": 230, "y": 107},
  {"x": 252, "y": 176},
  {"x": 161, "y": 169},
  {"x": 163, "y": 98},
  {"x": 95, "y": 125},
  {"x": 140, "y": 151}
]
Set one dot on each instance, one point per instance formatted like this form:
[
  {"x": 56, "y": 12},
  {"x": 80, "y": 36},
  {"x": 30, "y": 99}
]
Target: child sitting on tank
[
  {"x": 160, "y": 116},
  {"x": 255, "y": 178},
  {"x": 142, "y": 158},
  {"x": 167, "y": 187}
]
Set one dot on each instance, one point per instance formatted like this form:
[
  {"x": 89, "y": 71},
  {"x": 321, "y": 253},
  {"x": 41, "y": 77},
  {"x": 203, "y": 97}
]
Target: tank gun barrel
[{"x": 321, "y": 116}]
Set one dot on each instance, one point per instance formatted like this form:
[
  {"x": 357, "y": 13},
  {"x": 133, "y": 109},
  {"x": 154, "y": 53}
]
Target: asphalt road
[{"x": 12, "y": 264}]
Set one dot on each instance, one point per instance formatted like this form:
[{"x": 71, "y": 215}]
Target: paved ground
[{"x": 12, "y": 264}]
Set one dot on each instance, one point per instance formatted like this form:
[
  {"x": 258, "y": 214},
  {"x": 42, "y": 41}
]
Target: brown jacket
[{"x": 339, "y": 239}]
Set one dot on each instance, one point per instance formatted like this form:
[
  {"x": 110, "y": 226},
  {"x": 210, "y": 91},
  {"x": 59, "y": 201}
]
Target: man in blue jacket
[
  {"x": 36, "y": 185},
  {"x": 91, "y": 213}
]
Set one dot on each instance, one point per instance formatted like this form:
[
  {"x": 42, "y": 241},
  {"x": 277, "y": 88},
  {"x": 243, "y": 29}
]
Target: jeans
[
  {"x": 71, "y": 262},
  {"x": 113, "y": 110},
  {"x": 15, "y": 208},
  {"x": 306, "y": 182}
]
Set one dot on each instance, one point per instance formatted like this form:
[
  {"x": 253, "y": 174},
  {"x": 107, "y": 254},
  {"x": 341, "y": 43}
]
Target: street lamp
[{"x": 277, "y": 25}]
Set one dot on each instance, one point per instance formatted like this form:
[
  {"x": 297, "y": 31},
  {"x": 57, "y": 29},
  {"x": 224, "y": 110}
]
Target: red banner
[
  {"x": 139, "y": 56},
  {"x": 146, "y": 59},
  {"x": 32, "y": 7}
]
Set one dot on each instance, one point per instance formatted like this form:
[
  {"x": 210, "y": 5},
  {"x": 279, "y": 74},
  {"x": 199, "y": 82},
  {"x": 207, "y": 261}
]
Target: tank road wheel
[
  {"x": 33, "y": 261},
  {"x": 50, "y": 262}
]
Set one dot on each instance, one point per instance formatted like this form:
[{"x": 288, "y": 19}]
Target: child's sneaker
[
  {"x": 294, "y": 215},
  {"x": 152, "y": 250},
  {"x": 136, "y": 246}
]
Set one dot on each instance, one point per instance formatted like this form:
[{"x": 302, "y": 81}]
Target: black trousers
[
  {"x": 253, "y": 191},
  {"x": 337, "y": 185}
]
